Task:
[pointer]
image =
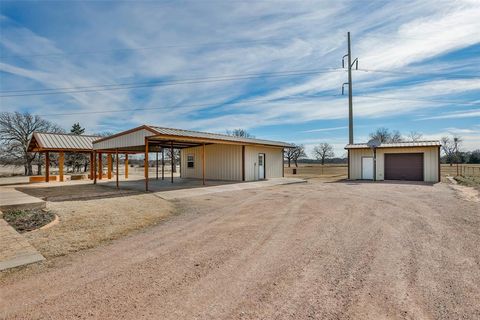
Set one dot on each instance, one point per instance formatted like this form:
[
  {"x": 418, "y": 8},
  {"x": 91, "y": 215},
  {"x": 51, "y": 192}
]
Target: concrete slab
[
  {"x": 185, "y": 193},
  {"x": 11, "y": 199},
  {"x": 14, "y": 249}
]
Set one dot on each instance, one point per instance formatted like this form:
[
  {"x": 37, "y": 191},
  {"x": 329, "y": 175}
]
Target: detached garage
[{"x": 409, "y": 161}]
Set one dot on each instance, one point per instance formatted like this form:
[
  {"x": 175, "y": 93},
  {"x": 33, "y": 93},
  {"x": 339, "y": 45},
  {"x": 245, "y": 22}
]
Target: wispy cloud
[
  {"x": 168, "y": 40},
  {"x": 326, "y": 129}
]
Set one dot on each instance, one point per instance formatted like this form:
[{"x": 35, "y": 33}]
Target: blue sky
[{"x": 419, "y": 66}]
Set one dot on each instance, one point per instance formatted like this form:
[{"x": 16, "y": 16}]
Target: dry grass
[
  {"x": 317, "y": 171},
  {"x": 87, "y": 223},
  {"x": 463, "y": 169}
]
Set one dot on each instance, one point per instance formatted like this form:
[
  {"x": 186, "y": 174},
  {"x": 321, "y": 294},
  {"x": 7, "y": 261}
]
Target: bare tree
[
  {"x": 451, "y": 148},
  {"x": 288, "y": 154},
  {"x": 175, "y": 158},
  {"x": 323, "y": 151},
  {"x": 16, "y": 130},
  {"x": 415, "y": 136},
  {"x": 384, "y": 135},
  {"x": 239, "y": 133},
  {"x": 295, "y": 153}
]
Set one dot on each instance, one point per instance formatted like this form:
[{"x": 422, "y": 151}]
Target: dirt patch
[
  {"x": 73, "y": 192},
  {"x": 28, "y": 220},
  {"x": 303, "y": 251},
  {"x": 87, "y": 223}
]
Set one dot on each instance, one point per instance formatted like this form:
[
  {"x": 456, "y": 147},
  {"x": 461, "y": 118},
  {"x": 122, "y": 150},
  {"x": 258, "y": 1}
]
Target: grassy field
[{"x": 313, "y": 170}]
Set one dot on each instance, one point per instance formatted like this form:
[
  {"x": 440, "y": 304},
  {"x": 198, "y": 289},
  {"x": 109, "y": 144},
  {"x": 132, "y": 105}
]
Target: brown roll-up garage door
[{"x": 404, "y": 166}]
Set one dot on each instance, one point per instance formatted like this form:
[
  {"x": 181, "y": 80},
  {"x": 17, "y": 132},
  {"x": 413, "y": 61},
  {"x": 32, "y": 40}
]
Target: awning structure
[
  {"x": 134, "y": 139},
  {"x": 41, "y": 142},
  {"x": 143, "y": 139},
  {"x": 60, "y": 143},
  {"x": 149, "y": 138}
]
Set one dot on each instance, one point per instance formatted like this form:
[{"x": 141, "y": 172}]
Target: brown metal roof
[
  {"x": 178, "y": 134},
  {"x": 216, "y": 136},
  {"x": 403, "y": 144},
  {"x": 61, "y": 141}
]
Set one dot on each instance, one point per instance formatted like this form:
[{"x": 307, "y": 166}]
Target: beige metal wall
[
  {"x": 356, "y": 162},
  {"x": 273, "y": 162},
  {"x": 136, "y": 138},
  {"x": 430, "y": 161},
  {"x": 223, "y": 162}
]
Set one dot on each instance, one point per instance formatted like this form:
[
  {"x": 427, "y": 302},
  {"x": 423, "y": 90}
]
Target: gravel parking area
[{"x": 317, "y": 250}]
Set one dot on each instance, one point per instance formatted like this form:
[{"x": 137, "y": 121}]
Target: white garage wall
[
  {"x": 273, "y": 162},
  {"x": 430, "y": 161}
]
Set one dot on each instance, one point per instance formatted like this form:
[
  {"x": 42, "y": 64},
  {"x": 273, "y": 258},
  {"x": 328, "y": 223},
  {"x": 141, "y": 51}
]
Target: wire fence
[{"x": 466, "y": 170}]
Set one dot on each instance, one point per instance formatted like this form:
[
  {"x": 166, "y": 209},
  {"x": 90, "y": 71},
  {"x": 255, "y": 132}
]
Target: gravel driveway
[{"x": 305, "y": 251}]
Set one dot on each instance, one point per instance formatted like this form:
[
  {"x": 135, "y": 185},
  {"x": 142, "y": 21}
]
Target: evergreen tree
[{"x": 77, "y": 129}]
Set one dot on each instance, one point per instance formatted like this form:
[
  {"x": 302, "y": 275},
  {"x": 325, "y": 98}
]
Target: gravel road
[{"x": 306, "y": 251}]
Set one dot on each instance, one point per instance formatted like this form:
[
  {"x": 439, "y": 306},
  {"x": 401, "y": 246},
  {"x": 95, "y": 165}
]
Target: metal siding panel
[
  {"x": 356, "y": 162},
  {"x": 273, "y": 162},
  {"x": 223, "y": 162},
  {"x": 430, "y": 161}
]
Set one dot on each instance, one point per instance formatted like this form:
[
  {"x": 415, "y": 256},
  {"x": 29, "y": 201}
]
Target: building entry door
[{"x": 261, "y": 166}]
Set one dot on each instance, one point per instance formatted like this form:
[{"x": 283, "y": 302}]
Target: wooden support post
[
  {"x": 126, "y": 165},
  {"x": 61, "y": 159},
  {"x": 146, "y": 164},
  {"x": 116, "y": 166},
  {"x": 156, "y": 165},
  {"x": 94, "y": 167},
  {"x": 109, "y": 166},
  {"x": 171, "y": 159},
  {"x": 47, "y": 166},
  {"x": 203, "y": 163},
  {"x": 163, "y": 164},
  {"x": 100, "y": 166}
]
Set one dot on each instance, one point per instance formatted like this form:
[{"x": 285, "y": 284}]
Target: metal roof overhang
[
  {"x": 35, "y": 145},
  {"x": 158, "y": 140}
]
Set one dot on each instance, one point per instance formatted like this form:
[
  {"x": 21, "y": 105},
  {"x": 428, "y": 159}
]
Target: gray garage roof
[
  {"x": 403, "y": 144},
  {"x": 61, "y": 141}
]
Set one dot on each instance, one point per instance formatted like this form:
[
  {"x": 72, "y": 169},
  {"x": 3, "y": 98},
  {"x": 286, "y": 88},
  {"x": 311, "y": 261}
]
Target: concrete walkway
[
  {"x": 11, "y": 199},
  {"x": 14, "y": 249},
  {"x": 185, "y": 193}
]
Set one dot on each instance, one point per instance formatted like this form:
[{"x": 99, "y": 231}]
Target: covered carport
[
  {"x": 62, "y": 143},
  {"x": 146, "y": 139}
]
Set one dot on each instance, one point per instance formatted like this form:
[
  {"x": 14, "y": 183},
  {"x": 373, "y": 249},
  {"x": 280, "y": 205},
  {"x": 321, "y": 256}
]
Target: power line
[
  {"x": 420, "y": 73},
  {"x": 221, "y": 104},
  {"x": 106, "y": 51},
  {"x": 189, "y": 105},
  {"x": 420, "y": 100},
  {"x": 122, "y": 86}
]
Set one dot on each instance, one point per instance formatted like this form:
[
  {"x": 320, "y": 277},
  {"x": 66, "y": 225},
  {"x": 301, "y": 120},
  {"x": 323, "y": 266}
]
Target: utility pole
[{"x": 350, "y": 93}]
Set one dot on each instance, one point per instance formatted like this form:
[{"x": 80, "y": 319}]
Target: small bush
[
  {"x": 468, "y": 181},
  {"x": 28, "y": 220}
]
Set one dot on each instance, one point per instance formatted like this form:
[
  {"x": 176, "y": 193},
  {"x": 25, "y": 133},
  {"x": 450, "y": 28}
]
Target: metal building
[
  {"x": 203, "y": 155},
  {"x": 411, "y": 161}
]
